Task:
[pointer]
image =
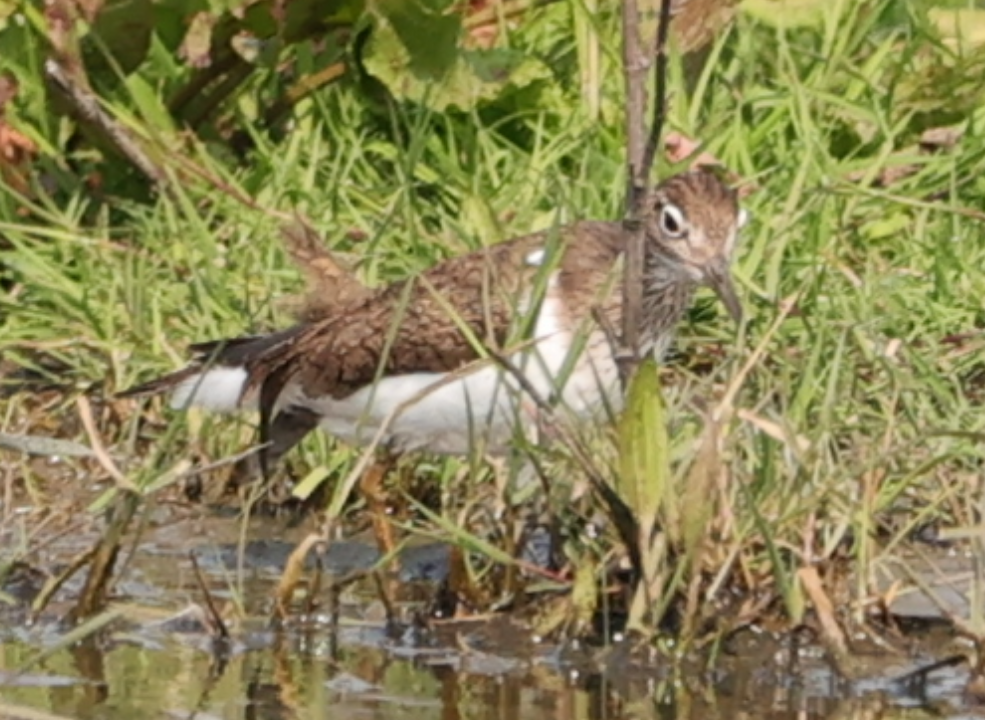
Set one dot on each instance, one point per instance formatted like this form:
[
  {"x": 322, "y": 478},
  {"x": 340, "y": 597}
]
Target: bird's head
[{"x": 692, "y": 221}]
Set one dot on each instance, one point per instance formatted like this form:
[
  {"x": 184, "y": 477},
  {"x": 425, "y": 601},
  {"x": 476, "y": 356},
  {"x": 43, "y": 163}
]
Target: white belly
[
  {"x": 481, "y": 409},
  {"x": 445, "y": 413},
  {"x": 424, "y": 411}
]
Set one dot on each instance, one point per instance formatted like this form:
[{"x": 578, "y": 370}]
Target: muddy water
[{"x": 350, "y": 664}]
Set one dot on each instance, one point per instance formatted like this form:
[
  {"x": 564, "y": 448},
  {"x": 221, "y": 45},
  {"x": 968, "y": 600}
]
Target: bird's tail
[{"x": 225, "y": 375}]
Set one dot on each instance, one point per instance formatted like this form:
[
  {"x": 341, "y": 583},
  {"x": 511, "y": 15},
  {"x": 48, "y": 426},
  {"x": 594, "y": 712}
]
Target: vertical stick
[
  {"x": 659, "y": 86},
  {"x": 634, "y": 71},
  {"x": 640, "y": 153}
]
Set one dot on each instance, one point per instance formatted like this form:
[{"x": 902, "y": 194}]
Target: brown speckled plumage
[
  {"x": 423, "y": 324},
  {"x": 480, "y": 290}
]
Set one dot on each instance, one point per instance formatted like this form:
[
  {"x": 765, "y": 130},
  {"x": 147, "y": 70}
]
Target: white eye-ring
[{"x": 672, "y": 221}]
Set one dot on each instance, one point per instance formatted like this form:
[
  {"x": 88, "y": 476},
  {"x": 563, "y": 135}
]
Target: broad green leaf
[
  {"x": 427, "y": 31},
  {"x": 318, "y": 475},
  {"x": 290, "y": 21},
  {"x": 122, "y": 30},
  {"x": 471, "y": 77},
  {"x": 644, "y": 448}
]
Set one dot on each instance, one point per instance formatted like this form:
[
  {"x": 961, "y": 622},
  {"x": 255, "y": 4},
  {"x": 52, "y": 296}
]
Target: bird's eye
[{"x": 672, "y": 221}]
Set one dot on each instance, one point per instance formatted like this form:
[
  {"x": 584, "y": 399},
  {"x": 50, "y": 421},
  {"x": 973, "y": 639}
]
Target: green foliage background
[{"x": 406, "y": 139}]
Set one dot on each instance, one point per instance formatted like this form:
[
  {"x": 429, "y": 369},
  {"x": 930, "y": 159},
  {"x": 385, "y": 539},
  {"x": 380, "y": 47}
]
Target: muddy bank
[{"x": 159, "y": 657}]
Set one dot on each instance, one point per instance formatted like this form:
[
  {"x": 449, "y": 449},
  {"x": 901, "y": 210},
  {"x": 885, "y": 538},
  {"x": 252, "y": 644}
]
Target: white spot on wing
[
  {"x": 743, "y": 217},
  {"x": 217, "y": 389},
  {"x": 535, "y": 258}
]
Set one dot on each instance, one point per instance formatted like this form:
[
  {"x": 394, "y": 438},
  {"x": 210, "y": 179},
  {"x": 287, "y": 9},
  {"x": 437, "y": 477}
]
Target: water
[
  {"x": 318, "y": 677},
  {"x": 351, "y": 664}
]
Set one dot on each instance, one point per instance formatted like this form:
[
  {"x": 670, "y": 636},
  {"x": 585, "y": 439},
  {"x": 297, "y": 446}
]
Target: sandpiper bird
[{"x": 406, "y": 365}]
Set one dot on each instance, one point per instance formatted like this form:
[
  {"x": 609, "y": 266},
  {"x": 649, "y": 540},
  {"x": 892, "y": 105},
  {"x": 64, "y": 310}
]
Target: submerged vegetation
[{"x": 805, "y": 458}]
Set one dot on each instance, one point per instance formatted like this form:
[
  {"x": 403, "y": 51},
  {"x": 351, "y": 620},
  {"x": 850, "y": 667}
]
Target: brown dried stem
[
  {"x": 99, "y": 449},
  {"x": 86, "y": 108},
  {"x": 659, "y": 88},
  {"x": 216, "y": 624},
  {"x": 634, "y": 69},
  {"x": 640, "y": 153}
]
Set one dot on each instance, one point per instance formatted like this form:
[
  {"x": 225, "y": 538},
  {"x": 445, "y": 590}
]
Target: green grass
[{"x": 856, "y": 423}]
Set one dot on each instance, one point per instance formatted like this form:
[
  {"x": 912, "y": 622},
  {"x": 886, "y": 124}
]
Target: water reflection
[
  {"x": 312, "y": 677},
  {"x": 348, "y": 666}
]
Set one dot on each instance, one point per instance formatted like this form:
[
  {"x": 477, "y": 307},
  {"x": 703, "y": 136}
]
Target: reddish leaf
[
  {"x": 17, "y": 151},
  {"x": 680, "y": 147}
]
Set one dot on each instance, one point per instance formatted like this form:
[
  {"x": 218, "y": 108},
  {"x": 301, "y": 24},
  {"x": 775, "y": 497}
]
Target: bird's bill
[{"x": 720, "y": 280}]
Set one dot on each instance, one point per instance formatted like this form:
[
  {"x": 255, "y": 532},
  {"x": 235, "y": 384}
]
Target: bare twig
[
  {"x": 24, "y": 712},
  {"x": 95, "y": 592},
  {"x": 54, "y": 584},
  {"x": 293, "y": 572},
  {"x": 42, "y": 445},
  {"x": 99, "y": 450},
  {"x": 218, "y": 464},
  {"x": 217, "y": 624},
  {"x": 833, "y": 638},
  {"x": 659, "y": 87},
  {"x": 634, "y": 69},
  {"x": 640, "y": 153},
  {"x": 87, "y": 109}
]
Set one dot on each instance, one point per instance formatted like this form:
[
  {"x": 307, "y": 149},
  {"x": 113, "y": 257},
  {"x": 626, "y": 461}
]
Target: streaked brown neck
[{"x": 667, "y": 294}]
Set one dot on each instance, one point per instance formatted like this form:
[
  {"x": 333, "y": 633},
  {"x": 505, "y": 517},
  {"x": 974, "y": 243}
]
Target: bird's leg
[
  {"x": 286, "y": 430},
  {"x": 372, "y": 487}
]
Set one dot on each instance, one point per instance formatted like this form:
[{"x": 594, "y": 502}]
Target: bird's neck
[{"x": 667, "y": 294}]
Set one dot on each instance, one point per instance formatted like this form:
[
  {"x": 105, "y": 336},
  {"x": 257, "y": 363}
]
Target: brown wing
[{"x": 412, "y": 327}]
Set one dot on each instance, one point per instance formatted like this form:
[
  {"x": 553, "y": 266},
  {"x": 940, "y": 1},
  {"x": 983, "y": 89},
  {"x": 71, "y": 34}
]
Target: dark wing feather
[
  {"x": 161, "y": 384},
  {"x": 232, "y": 352}
]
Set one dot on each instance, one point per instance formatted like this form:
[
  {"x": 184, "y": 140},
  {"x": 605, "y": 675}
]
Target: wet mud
[{"x": 351, "y": 657}]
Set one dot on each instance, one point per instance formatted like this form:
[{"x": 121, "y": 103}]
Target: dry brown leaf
[
  {"x": 196, "y": 48},
  {"x": 832, "y": 636},
  {"x": 696, "y": 23},
  {"x": 681, "y": 148},
  {"x": 940, "y": 138},
  {"x": 293, "y": 574},
  {"x": 17, "y": 151}
]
